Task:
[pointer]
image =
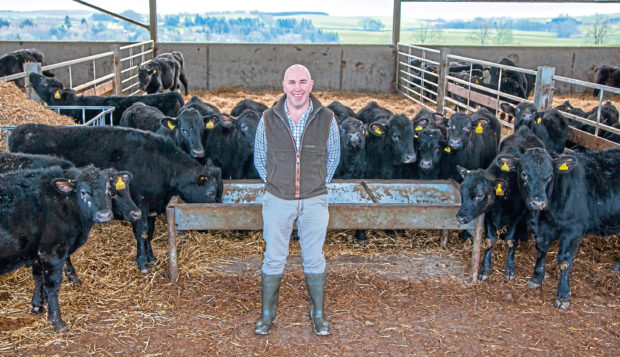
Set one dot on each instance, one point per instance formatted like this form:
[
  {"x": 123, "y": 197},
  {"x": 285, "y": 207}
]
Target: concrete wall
[{"x": 350, "y": 68}]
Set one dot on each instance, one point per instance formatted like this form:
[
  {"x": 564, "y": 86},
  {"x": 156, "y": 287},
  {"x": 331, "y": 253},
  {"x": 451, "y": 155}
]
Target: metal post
[
  {"x": 116, "y": 62},
  {"x": 476, "y": 248},
  {"x": 543, "y": 95},
  {"x": 36, "y": 68},
  {"x": 396, "y": 24},
  {"x": 172, "y": 244},
  {"x": 153, "y": 24},
  {"x": 442, "y": 83}
]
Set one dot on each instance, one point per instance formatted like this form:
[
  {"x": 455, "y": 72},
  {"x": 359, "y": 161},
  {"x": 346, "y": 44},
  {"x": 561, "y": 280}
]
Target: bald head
[{"x": 297, "y": 67}]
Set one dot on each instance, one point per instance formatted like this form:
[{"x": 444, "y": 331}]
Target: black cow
[
  {"x": 519, "y": 84},
  {"x": 435, "y": 159},
  {"x": 122, "y": 205},
  {"x": 247, "y": 103},
  {"x": 372, "y": 112},
  {"x": 550, "y": 126},
  {"x": 186, "y": 130},
  {"x": 10, "y": 161},
  {"x": 473, "y": 140},
  {"x": 353, "y": 163},
  {"x": 495, "y": 192},
  {"x": 164, "y": 72},
  {"x": 231, "y": 145},
  {"x": 607, "y": 76},
  {"x": 210, "y": 114},
  {"x": 341, "y": 111},
  {"x": 160, "y": 169},
  {"x": 13, "y": 62},
  {"x": 569, "y": 196},
  {"x": 48, "y": 214},
  {"x": 52, "y": 92},
  {"x": 389, "y": 147}
]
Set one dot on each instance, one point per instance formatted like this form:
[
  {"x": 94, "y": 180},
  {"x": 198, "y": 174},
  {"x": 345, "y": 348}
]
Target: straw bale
[{"x": 16, "y": 109}]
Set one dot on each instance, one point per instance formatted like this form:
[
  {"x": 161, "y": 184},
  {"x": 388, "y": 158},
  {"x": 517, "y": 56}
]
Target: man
[{"x": 296, "y": 152}]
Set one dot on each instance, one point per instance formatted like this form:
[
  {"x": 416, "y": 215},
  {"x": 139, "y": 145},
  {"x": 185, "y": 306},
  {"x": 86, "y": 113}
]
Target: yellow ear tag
[
  {"x": 154, "y": 71},
  {"x": 563, "y": 167},
  {"x": 209, "y": 125},
  {"x": 498, "y": 190},
  {"x": 120, "y": 185},
  {"x": 378, "y": 131},
  {"x": 505, "y": 167},
  {"x": 486, "y": 70},
  {"x": 419, "y": 128},
  {"x": 479, "y": 129},
  {"x": 415, "y": 136},
  {"x": 477, "y": 81},
  {"x": 170, "y": 125},
  {"x": 57, "y": 94},
  {"x": 468, "y": 171},
  {"x": 538, "y": 120},
  {"x": 447, "y": 149}
]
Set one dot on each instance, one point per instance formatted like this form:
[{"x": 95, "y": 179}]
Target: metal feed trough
[{"x": 353, "y": 204}]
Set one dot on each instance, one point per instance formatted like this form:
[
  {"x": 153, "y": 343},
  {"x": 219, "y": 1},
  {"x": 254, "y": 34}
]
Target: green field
[{"x": 350, "y": 32}]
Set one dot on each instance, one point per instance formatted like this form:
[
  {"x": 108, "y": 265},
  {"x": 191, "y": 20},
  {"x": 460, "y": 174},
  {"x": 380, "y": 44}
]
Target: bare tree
[
  {"x": 503, "y": 34},
  {"x": 598, "y": 32},
  {"x": 481, "y": 33},
  {"x": 427, "y": 33}
]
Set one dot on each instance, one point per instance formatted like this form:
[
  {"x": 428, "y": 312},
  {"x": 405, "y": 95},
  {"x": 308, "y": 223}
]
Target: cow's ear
[
  {"x": 507, "y": 108},
  {"x": 121, "y": 180},
  {"x": 565, "y": 163},
  {"x": 210, "y": 121},
  {"x": 506, "y": 163},
  {"x": 63, "y": 185},
  {"x": 226, "y": 121},
  {"x": 500, "y": 186},
  {"x": 377, "y": 129},
  {"x": 168, "y": 122},
  {"x": 480, "y": 125},
  {"x": 538, "y": 117},
  {"x": 440, "y": 119},
  {"x": 421, "y": 124},
  {"x": 462, "y": 171}
]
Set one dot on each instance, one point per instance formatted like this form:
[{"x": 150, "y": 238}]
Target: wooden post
[
  {"x": 543, "y": 95},
  {"x": 443, "y": 79},
  {"x": 118, "y": 82},
  {"x": 30, "y": 93}
]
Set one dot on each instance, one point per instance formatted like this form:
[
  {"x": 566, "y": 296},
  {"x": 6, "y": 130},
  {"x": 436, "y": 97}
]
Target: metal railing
[
  {"x": 416, "y": 82},
  {"x": 466, "y": 92},
  {"x": 126, "y": 59}
]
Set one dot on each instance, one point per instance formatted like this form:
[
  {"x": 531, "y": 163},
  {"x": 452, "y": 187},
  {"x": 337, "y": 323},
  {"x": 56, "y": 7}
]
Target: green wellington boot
[
  {"x": 270, "y": 292},
  {"x": 316, "y": 291}
]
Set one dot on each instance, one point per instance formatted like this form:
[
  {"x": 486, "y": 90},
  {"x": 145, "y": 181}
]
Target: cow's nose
[
  {"x": 198, "y": 153},
  {"x": 409, "y": 158},
  {"x": 538, "y": 204},
  {"x": 103, "y": 216},
  {"x": 136, "y": 214},
  {"x": 425, "y": 164}
]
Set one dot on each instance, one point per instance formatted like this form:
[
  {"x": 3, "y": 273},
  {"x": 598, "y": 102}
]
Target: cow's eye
[
  {"x": 183, "y": 131},
  {"x": 85, "y": 194},
  {"x": 467, "y": 129},
  {"x": 524, "y": 176}
]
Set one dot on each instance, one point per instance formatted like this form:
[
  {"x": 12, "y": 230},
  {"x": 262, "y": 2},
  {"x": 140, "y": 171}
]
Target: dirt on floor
[{"x": 401, "y": 294}]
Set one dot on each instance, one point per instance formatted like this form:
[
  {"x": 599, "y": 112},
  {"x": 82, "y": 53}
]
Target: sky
[{"x": 423, "y": 10}]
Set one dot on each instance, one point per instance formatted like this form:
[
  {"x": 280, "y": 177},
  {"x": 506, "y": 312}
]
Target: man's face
[{"x": 297, "y": 86}]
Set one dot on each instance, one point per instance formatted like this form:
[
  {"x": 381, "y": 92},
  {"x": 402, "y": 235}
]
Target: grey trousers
[{"x": 278, "y": 217}]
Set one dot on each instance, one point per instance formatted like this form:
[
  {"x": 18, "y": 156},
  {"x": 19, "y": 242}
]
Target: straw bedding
[{"x": 400, "y": 294}]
